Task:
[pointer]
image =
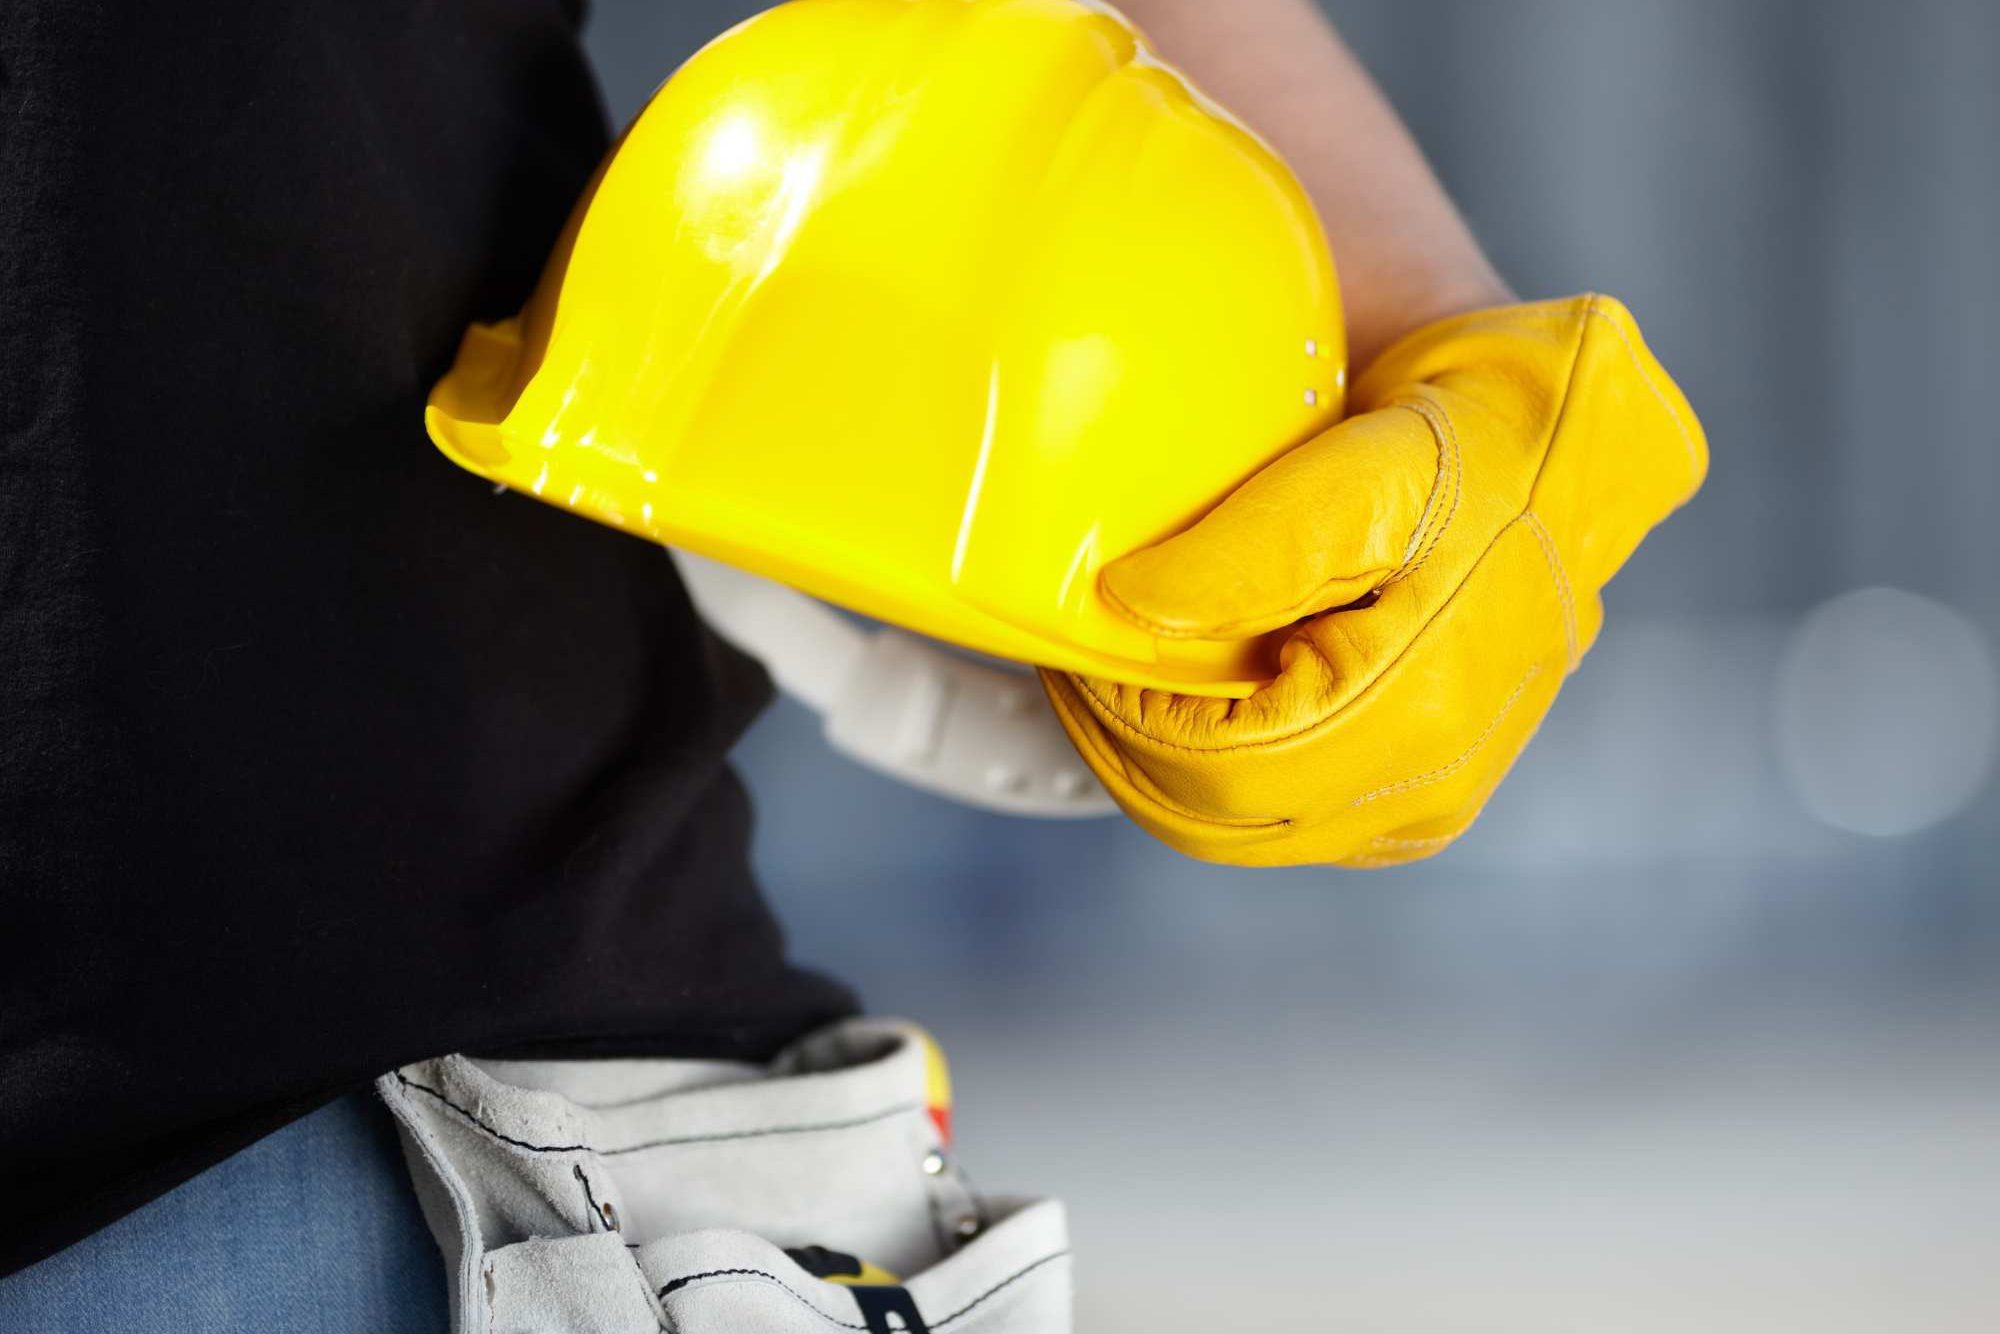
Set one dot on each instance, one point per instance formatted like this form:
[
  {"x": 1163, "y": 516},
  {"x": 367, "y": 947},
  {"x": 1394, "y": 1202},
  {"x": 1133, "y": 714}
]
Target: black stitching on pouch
[
  {"x": 900, "y": 1109},
  {"x": 804, "y": 1301},
  {"x": 677, "y": 1284},
  {"x": 849, "y": 1124},
  {"x": 407, "y": 1082},
  {"x": 597, "y": 1218},
  {"x": 1008, "y": 1281}
]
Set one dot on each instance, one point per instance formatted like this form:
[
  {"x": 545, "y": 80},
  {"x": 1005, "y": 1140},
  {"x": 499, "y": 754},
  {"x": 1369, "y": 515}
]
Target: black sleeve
[{"x": 317, "y": 756}]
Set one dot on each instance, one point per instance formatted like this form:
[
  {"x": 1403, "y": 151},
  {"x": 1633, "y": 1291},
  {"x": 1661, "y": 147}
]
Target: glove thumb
[{"x": 1325, "y": 524}]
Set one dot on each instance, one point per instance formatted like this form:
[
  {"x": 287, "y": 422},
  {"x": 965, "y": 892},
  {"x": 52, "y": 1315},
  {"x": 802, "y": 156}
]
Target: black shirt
[{"x": 317, "y": 756}]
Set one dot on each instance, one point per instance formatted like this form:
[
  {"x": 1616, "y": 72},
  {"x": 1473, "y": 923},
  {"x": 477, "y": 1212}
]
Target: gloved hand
[{"x": 1445, "y": 547}]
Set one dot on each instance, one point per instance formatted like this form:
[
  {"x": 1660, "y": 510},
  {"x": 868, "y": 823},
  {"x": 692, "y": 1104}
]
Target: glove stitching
[
  {"x": 1448, "y": 450},
  {"x": 1445, "y": 771},
  {"x": 1561, "y": 578},
  {"x": 1364, "y": 862},
  {"x": 1059, "y": 697},
  {"x": 1557, "y": 572},
  {"x": 1109, "y": 713},
  {"x": 1548, "y": 449},
  {"x": 1429, "y": 512},
  {"x": 1227, "y": 630},
  {"x": 1646, "y": 378},
  {"x": 1450, "y": 473},
  {"x": 1384, "y": 841}
]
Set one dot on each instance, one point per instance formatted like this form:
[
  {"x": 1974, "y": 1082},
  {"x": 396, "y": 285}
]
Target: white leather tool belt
[{"x": 629, "y": 1197}]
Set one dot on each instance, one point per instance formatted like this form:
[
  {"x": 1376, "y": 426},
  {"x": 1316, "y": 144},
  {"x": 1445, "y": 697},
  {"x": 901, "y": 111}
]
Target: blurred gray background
[{"x": 1697, "y": 1029}]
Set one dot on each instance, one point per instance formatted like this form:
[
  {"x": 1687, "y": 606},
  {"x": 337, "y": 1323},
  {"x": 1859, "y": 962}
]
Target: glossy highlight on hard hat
[{"x": 930, "y": 308}]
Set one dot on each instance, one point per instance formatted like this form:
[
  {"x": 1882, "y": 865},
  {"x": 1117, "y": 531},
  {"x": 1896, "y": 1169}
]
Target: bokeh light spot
[{"x": 1886, "y": 711}]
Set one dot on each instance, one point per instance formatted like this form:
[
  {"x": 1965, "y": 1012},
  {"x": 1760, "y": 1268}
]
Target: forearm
[{"x": 1405, "y": 255}]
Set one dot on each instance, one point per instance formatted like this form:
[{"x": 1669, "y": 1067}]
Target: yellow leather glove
[{"x": 1447, "y": 544}]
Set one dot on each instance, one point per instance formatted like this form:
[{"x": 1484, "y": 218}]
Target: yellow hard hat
[{"x": 929, "y": 308}]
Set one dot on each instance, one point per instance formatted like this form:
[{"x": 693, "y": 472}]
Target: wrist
[{"x": 1384, "y": 306}]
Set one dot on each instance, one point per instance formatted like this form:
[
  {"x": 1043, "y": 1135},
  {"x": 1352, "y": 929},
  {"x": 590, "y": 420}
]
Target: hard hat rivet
[
  {"x": 1312, "y": 398},
  {"x": 933, "y": 1164}
]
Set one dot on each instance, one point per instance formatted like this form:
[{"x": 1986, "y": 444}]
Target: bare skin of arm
[{"x": 1406, "y": 257}]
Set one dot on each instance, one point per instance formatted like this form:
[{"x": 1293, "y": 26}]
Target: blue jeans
[{"x": 314, "y": 1228}]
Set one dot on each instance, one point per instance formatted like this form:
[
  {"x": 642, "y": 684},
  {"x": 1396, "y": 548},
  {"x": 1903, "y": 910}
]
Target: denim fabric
[{"x": 314, "y": 1228}]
